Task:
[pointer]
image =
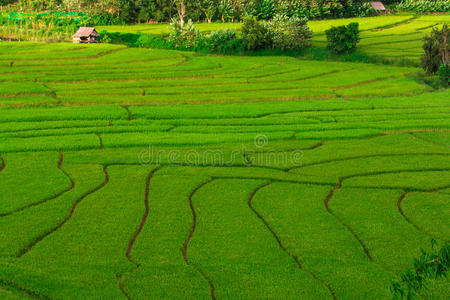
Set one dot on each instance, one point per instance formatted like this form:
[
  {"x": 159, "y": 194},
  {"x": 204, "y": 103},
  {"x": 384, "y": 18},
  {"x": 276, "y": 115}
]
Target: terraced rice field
[{"x": 144, "y": 174}]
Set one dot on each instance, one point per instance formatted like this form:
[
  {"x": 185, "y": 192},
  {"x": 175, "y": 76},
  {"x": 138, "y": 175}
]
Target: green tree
[
  {"x": 225, "y": 10},
  {"x": 436, "y": 48},
  {"x": 209, "y": 8}
]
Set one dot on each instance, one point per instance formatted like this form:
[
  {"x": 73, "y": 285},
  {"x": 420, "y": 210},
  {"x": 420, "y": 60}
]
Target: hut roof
[
  {"x": 86, "y": 32},
  {"x": 377, "y": 5}
]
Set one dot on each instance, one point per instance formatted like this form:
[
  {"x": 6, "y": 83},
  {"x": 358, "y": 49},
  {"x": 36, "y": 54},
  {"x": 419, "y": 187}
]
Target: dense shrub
[
  {"x": 184, "y": 36},
  {"x": 424, "y": 5},
  {"x": 444, "y": 75},
  {"x": 5, "y": 2},
  {"x": 436, "y": 48},
  {"x": 102, "y": 19},
  {"x": 223, "y": 41},
  {"x": 105, "y": 37},
  {"x": 343, "y": 39},
  {"x": 288, "y": 33},
  {"x": 281, "y": 33},
  {"x": 140, "y": 40},
  {"x": 254, "y": 34},
  {"x": 361, "y": 10}
]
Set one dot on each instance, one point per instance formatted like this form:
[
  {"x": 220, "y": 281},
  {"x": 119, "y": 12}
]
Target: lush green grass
[
  {"x": 154, "y": 174},
  {"x": 429, "y": 211}
]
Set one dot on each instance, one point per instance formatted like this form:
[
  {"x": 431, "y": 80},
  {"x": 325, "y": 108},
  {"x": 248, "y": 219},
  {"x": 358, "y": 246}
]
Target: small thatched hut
[{"x": 86, "y": 35}]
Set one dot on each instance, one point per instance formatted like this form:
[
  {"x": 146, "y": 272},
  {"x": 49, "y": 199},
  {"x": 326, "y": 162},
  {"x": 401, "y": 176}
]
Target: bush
[
  {"x": 105, "y": 37},
  {"x": 223, "y": 41},
  {"x": 184, "y": 35},
  {"x": 254, "y": 34},
  {"x": 436, "y": 50},
  {"x": 343, "y": 39},
  {"x": 289, "y": 33},
  {"x": 444, "y": 75}
]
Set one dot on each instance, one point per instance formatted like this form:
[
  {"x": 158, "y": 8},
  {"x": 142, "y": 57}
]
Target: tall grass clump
[{"x": 429, "y": 266}]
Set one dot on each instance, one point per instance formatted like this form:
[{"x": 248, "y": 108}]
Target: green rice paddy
[{"x": 132, "y": 173}]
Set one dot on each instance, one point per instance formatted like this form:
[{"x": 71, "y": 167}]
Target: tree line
[{"x": 144, "y": 11}]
